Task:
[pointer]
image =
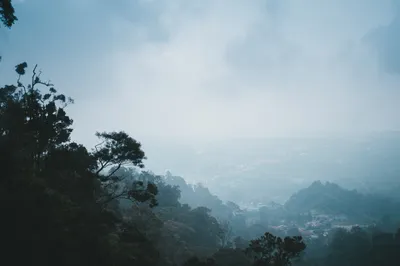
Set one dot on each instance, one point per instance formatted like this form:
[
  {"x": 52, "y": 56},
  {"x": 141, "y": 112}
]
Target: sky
[{"x": 214, "y": 68}]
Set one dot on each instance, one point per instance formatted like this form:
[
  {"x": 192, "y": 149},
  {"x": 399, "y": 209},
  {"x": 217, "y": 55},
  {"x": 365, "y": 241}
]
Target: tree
[
  {"x": 272, "y": 250},
  {"x": 206, "y": 229},
  {"x": 136, "y": 191},
  {"x": 129, "y": 178},
  {"x": 31, "y": 123},
  {"x": 117, "y": 149},
  {"x": 49, "y": 187},
  {"x": 7, "y": 13}
]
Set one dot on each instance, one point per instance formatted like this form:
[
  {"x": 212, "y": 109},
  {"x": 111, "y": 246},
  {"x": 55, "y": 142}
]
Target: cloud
[
  {"x": 385, "y": 40},
  {"x": 218, "y": 68},
  {"x": 254, "y": 68}
]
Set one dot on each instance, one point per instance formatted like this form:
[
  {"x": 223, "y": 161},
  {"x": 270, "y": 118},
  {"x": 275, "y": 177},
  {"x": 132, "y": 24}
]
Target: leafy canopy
[
  {"x": 7, "y": 13},
  {"x": 272, "y": 250}
]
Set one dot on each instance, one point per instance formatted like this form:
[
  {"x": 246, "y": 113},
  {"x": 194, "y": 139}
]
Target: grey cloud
[
  {"x": 212, "y": 68},
  {"x": 386, "y": 43}
]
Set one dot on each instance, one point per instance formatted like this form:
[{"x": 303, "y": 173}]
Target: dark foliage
[
  {"x": 272, "y": 250},
  {"x": 64, "y": 205},
  {"x": 7, "y": 13},
  {"x": 50, "y": 187}
]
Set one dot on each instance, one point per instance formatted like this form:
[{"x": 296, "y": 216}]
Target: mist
[
  {"x": 218, "y": 69},
  {"x": 185, "y": 76},
  {"x": 201, "y": 132}
]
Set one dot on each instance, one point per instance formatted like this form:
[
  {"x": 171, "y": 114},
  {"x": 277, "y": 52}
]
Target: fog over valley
[
  {"x": 200, "y": 132},
  {"x": 235, "y": 169}
]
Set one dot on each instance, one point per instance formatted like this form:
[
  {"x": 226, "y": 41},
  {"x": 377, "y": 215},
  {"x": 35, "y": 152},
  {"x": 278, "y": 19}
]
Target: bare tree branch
[
  {"x": 103, "y": 165},
  {"x": 115, "y": 170}
]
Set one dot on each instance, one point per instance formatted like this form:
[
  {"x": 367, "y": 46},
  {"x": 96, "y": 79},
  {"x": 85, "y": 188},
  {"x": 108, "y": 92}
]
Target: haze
[
  {"x": 177, "y": 75},
  {"x": 203, "y": 132},
  {"x": 216, "y": 69}
]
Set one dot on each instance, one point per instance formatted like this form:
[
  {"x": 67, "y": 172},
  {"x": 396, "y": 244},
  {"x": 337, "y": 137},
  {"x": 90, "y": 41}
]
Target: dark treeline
[{"x": 63, "y": 204}]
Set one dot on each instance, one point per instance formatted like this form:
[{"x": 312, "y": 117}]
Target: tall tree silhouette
[
  {"x": 7, "y": 13},
  {"x": 50, "y": 186}
]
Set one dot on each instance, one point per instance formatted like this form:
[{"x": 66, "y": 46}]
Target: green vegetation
[
  {"x": 329, "y": 198},
  {"x": 7, "y": 13},
  {"x": 65, "y": 205}
]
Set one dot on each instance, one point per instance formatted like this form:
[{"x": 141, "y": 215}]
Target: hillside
[{"x": 330, "y": 198}]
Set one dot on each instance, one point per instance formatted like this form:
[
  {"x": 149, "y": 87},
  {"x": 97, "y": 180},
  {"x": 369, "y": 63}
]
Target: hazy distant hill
[
  {"x": 329, "y": 198},
  {"x": 274, "y": 168}
]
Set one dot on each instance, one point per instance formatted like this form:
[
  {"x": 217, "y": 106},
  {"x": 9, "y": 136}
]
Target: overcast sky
[{"x": 214, "y": 68}]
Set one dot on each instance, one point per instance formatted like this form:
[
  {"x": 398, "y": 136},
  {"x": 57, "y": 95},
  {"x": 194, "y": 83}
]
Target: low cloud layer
[{"x": 215, "y": 69}]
